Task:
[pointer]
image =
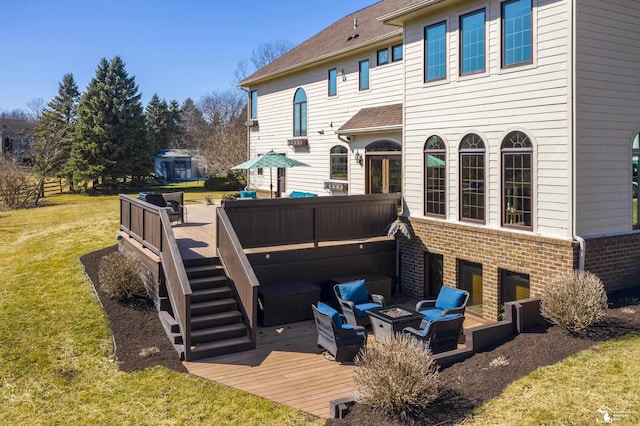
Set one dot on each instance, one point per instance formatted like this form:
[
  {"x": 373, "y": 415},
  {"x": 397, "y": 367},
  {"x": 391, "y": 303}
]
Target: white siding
[
  {"x": 608, "y": 112},
  {"x": 531, "y": 98},
  {"x": 326, "y": 114}
]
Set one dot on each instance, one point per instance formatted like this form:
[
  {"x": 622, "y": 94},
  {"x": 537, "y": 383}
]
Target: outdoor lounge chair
[
  {"x": 354, "y": 300},
  {"x": 175, "y": 210},
  {"x": 449, "y": 301},
  {"x": 439, "y": 335},
  {"x": 341, "y": 340}
]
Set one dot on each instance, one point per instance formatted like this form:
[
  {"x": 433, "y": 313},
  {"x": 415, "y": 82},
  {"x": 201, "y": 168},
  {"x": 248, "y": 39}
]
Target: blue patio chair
[
  {"x": 449, "y": 301},
  {"x": 439, "y": 335},
  {"x": 354, "y": 300},
  {"x": 343, "y": 341},
  {"x": 248, "y": 194}
]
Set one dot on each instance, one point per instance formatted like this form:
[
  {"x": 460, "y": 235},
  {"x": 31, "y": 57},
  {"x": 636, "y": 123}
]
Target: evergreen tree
[
  {"x": 176, "y": 126},
  {"x": 52, "y": 135},
  {"x": 157, "y": 116},
  {"x": 110, "y": 139},
  {"x": 195, "y": 128}
]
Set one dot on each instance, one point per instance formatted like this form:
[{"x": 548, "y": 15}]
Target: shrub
[
  {"x": 229, "y": 182},
  {"x": 397, "y": 377},
  {"x": 574, "y": 300},
  {"x": 119, "y": 275}
]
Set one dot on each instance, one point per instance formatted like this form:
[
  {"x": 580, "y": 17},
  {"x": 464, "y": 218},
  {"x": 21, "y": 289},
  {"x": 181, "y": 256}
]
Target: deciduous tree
[{"x": 52, "y": 138}]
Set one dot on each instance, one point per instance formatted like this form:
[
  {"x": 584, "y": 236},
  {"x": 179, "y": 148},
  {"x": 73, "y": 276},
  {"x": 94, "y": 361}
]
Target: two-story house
[{"x": 510, "y": 127}]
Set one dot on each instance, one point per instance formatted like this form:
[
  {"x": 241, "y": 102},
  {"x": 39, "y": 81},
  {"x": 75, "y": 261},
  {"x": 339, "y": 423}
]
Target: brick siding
[
  {"x": 496, "y": 249},
  {"x": 616, "y": 260}
]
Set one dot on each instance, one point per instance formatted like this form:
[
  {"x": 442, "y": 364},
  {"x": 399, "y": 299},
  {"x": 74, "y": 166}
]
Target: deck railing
[
  {"x": 238, "y": 269},
  {"x": 242, "y": 224},
  {"x": 272, "y": 222},
  {"x": 149, "y": 225}
]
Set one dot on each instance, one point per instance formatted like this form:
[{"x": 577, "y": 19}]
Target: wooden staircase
[{"x": 217, "y": 325}]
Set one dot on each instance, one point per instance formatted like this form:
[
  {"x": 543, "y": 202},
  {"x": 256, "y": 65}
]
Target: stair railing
[
  {"x": 150, "y": 226},
  {"x": 239, "y": 270}
]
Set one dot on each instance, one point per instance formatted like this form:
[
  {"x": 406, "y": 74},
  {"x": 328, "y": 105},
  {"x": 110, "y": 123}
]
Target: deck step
[
  {"x": 211, "y": 294},
  {"x": 213, "y": 306},
  {"x": 206, "y": 350},
  {"x": 204, "y": 271},
  {"x": 214, "y": 334},
  {"x": 208, "y": 282},
  {"x": 217, "y": 319}
]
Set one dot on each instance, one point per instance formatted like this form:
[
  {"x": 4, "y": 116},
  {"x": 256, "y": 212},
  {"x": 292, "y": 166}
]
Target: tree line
[{"x": 106, "y": 135}]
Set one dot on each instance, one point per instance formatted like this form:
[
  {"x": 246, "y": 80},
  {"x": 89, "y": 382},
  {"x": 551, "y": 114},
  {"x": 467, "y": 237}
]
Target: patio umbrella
[{"x": 269, "y": 160}]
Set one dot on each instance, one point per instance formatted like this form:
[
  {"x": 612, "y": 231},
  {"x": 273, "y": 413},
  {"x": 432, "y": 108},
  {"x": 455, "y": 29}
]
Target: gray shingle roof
[{"x": 338, "y": 38}]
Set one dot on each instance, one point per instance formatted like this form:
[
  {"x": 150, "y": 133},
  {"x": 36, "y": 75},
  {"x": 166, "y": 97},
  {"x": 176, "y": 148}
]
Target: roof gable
[{"x": 354, "y": 31}]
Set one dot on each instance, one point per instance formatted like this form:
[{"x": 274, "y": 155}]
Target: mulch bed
[
  {"x": 135, "y": 325},
  {"x": 469, "y": 384}
]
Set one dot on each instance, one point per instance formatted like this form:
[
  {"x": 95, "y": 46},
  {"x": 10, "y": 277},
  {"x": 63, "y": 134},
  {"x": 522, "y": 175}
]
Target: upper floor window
[
  {"x": 300, "y": 113},
  {"x": 472, "y": 178},
  {"x": 383, "y": 56},
  {"x": 516, "y": 180},
  {"x": 635, "y": 204},
  {"x": 435, "y": 176},
  {"x": 363, "y": 67},
  {"x": 435, "y": 52},
  {"x": 333, "y": 82},
  {"x": 339, "y": 163},
  {"x": 472, "y": 42},
  {"x": 516, "y": 32},
  {"x": 254, "y": 104},
  {"x": 396, "y": 53}
]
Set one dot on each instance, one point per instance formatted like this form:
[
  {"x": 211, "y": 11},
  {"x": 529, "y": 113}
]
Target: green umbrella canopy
[{"x": 268, "y": 160}]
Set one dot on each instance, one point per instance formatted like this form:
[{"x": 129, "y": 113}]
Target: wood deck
[{"x": 287, "y": 366}]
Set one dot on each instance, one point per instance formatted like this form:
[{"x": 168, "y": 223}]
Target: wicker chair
[
  {"x": 449, "y": 301},
  {"x": 439, "y": 335},
  {"x": 343, "y": 341},
  {"x": 354, "y": 300}
]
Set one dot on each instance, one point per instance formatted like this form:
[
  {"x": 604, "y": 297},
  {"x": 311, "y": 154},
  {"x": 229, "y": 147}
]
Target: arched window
[
  {"x": 435, "y": 176},
  {"x": 635, "y": 207},
  {"x": 339, "y": 163},
  {"x": 516, "y": 180},
  {"x": 472, "y": 178},
  {"x": 300, "y": 113}
]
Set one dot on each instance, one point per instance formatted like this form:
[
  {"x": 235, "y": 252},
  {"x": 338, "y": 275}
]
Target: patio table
[{"x": 392, "y": 319}]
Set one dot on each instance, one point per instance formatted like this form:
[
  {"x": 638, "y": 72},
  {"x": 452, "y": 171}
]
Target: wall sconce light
[
  {"x": 343, "y": 75},
  {"x": 358, "y": 157}
]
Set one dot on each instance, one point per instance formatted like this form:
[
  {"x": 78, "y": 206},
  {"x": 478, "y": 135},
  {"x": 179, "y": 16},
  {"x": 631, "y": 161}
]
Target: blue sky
[{"x": 175, "y": 48}]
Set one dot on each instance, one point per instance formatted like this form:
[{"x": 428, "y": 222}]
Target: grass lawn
[
  {"x": 569, "y": 393},
  {"x": 56, "y": 353}
]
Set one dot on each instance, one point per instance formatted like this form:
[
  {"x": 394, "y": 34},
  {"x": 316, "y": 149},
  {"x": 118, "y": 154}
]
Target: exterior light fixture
[{"x": 358, "y": 157}]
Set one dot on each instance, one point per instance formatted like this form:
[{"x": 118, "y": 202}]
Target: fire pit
[{"x": 393, "y": 319}]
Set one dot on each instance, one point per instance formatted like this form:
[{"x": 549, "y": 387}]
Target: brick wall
[
  {"x": 539, "y": 257},
  {"x": 616, "y": 260}
]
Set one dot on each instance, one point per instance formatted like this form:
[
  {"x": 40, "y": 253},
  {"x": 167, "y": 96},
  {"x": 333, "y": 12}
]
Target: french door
[{"x": 384, "y": 173}]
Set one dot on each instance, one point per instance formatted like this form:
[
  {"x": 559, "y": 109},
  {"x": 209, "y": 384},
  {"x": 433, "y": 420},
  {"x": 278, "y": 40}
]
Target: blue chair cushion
[
  {"x": 332, "y": 313},
  {"x": 361, "y": 308},
  {"x": 446, "y": 317},
  {"x": 449, "y": 298},
  {"x": 431, "y": 314},
  {"x": 354, "y": 291},
  {"x": 248, "y": 194}
]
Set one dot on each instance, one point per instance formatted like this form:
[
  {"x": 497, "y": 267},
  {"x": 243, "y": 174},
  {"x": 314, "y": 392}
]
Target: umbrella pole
[{"x": 270, "y": 182}]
